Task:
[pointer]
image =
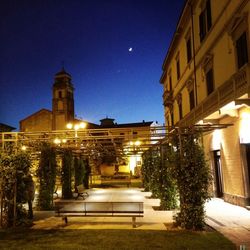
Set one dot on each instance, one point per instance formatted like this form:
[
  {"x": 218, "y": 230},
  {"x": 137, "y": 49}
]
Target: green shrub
[
  {"x": 193, "y": 179},
  {"x": 14, "y": 171}
]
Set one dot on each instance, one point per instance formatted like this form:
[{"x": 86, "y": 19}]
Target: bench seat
[{"x": 99, "y": 209}]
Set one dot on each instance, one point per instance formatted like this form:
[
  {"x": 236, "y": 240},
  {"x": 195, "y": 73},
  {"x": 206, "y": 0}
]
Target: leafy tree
[
  {"x": 46, "y": 177},
  {"x": 14, "y": 171}
]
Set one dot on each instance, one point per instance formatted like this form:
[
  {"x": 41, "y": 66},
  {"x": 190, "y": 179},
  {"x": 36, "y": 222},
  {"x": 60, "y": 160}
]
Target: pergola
[{"x": 119, "y": 142}]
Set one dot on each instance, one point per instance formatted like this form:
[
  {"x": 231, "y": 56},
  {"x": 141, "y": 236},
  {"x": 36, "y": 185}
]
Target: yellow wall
[
  {"x": 218, "y": 48},
  {"x": 40, "y": 121}
]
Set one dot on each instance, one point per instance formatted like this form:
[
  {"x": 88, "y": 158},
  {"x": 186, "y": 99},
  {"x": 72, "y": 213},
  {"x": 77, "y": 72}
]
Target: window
[
  {"x": 170, "y": 82},
  {"x": 179, "y": 101},
  {"x": 205, "y": 20},
  {"x": 172, "y": 117},
  {"x": 178, "y": 68},
  {"x": 168, "y": 123},
  {"x": 180, "y": 110},
  {"x": 241, "y": 49},
  {"x": 190, "y": 89},
  {"x": 189, "y": 49},
  {"x": 210, "y": 81},
  {"x": 191, "y": 99},
  {"x": 59, "y": 94}
]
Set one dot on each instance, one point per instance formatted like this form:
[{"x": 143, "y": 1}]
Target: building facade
[
  {"x": 6, "y": 128},
  {"x": 206, "y": 80}
]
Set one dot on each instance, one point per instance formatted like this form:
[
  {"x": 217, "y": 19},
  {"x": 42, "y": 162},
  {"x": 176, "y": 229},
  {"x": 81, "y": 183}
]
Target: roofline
[
  {"x": 174, "y": 39},
  {"x": 135, "y": 124},
  {"x": 35, "y": 114},
  {"x": 6, "y": 125}
]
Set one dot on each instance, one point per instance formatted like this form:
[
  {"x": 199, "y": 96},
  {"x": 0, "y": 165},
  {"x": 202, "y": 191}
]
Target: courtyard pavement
[{"x": 232, "y": 221}]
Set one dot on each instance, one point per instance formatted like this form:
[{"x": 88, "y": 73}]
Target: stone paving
[{"x": 232, "y": 221}]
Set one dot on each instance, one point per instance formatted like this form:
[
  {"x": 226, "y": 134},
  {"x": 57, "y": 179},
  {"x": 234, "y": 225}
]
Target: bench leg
[
  {"x": 65, "y": 219},
  {"x": 134, "y": 222}
]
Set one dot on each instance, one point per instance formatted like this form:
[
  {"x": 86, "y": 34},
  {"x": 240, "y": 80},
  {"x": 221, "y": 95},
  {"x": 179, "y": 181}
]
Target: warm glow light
[
  {"x": 133, "y": 162},
  {"x": 69, "y": 126},
  {"x": 64, "y": 140},
  {"x": 227, "y": 107},
  {"x": 57, "y": 141},
  {"x": 82, "y": 125},
  {"x": 137, "y": 143},
  {"x": 76, "y": 126},
  {"x": 216, "y": 139},
  {"x": 244, "y": 128},
  {"x": 131, "y": 143},
  {"x": 23, "y": 148}
]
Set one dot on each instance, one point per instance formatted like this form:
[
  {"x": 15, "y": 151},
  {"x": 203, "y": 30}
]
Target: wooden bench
[
  {"x": 67, "y": 209},
  {"x": 81, "y": 192}
]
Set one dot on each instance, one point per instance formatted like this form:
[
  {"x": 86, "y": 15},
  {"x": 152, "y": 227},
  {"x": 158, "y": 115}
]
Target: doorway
[
  {"x": 218, "y": 174},
  {"x": 248, "y": 161}
]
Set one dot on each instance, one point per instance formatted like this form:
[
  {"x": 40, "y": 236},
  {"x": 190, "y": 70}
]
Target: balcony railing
[{"x": 236, "y": 86}]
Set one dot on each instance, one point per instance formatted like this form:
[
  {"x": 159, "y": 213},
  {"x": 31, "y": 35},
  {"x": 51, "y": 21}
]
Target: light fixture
[
  {"x": 23, "y": 147},
  {"x": 69, "y": 126},
  {"x": 83, "y": 125},
  {"x": 76, "y": 126},
  {"x": 57, "y": 141}
]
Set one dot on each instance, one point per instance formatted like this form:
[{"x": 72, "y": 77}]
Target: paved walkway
[{"x": 230, "y": 220}]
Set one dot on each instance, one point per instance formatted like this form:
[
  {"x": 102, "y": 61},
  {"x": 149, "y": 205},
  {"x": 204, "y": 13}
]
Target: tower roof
[
  {"x": 62, "y": 79},
  {"x": 62, "y": 73}
]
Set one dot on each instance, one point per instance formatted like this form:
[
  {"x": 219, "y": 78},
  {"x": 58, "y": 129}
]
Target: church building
[{"x": 63, "y": 111}]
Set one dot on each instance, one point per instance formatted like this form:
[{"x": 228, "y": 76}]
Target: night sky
[{"x": 93, "y": 38}]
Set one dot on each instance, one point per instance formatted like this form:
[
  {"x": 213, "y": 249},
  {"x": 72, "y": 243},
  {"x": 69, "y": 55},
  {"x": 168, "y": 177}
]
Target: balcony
[
  {"x": 236, "y": 86},
  {"x": 168, "y": 98}
]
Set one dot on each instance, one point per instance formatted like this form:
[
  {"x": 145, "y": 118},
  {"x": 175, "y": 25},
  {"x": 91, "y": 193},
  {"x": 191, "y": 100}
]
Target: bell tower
[{"x": 63, "y": 100}]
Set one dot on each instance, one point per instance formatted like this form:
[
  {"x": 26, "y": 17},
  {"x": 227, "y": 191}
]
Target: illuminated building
[{"x": 206, "y": 79}]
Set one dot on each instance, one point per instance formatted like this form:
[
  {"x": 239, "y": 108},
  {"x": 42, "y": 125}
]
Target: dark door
[
  {"x": 218, "y": 174},
  {"x": 248, "y": 160}
]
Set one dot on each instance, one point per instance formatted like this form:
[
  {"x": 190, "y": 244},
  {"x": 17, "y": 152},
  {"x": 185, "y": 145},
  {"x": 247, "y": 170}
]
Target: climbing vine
[
  {"x": 46, "y": 174},
  {"x": 157, "y": 176},
  {"x": 179, "y": 170},
  {"x": 79, "y": 170},
  {"x": 67, "y": 167},
  {"x": 193, "y": 179}
]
